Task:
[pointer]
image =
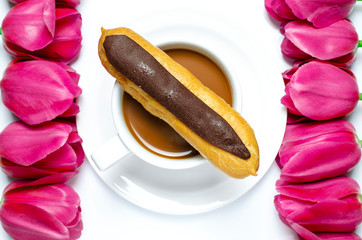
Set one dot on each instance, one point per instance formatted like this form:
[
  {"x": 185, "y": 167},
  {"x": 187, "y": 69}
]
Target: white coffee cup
[{"x": 124, "y": 144}]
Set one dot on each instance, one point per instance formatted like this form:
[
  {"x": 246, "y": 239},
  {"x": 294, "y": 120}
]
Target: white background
[{"x": 108, "y": 216}]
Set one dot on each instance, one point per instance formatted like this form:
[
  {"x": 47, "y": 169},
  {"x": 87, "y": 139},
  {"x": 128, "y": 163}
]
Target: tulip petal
[
  {"x": 79, "y": 151},
  {"x": 62, "y": 160},
  {"x": 288, "y": 102},
  {"x": 27, "y": 222},
  {"x": 290, "y": 50},
  {"x": 305, "y": 131},
  {"x": 24, "y": 145},
  {"x": 334, "y": 188},
  {"x": 279, "y": 10},
  {"x": 30, "y": 24},
  {"x": 303, "y": 232},
  {"x": 71, "y": 111},
  {"x": 292, "y": 119},
  {"x": 306, "y": 234},
  {"x": 327, "y": 43},
  {"x": 72, "y": 73},
  {"x": 51, "y": 179},
  {"x": 331, "y": 216},
  {"x": 338, "y": 236},
  {"x": 17, "y": 1},
  {"x": 74, "y": 138},
  {"x": 321, "y": 13},
  {"x": 76, "y": 142},
  {"x": 67, "y": 3},
  {"x": 24, "y": 172},
  {"x": 67, "y": 40},
  {"x": 319, "y": 84},
  {"x": 75, "y": 228},
  {"x": 65, "y": 208}
]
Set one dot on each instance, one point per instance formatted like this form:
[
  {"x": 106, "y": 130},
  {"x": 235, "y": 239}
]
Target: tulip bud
[
  {"x": 330, "y": 206},
  {"x": 315, "y": 91},
  {"x": 318, "y": 150},
  {"x": 37, "y": 91},
  {"x": 336, "y": 43},
  {"x": 42, "y": 150},
  {"x": 320, "y": 13},
  {"x": 34, "y": 210},
  {"x": 51, "y": 33}
]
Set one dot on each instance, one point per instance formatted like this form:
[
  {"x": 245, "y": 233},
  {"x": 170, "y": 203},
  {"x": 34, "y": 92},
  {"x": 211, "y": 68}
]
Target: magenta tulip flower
[
  {"x": 336, "y": 43},
  {"x": 59, "y": 3},
  {"x": 313, "y": 151},
  {"x": 35, "y": 210},
  {"x": 35, "y": 28},
  {"x": 38, "y": 90},
  {"x": 42, "y": 150},
  {"x": 320, "y": 13},
  {"x": 315, "y": 91},
  {"x": 329, "y": 206}
]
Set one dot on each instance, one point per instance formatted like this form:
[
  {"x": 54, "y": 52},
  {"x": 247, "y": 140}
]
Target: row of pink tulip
[
  {"x": 42, "y": 150},
  {"x": 315, "y": 198}
]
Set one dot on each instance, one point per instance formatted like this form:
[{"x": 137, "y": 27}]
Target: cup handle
[{"x": 109, "y": 153}]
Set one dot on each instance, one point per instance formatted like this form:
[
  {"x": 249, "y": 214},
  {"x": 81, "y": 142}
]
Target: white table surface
[{"x": 106, "y": 215}]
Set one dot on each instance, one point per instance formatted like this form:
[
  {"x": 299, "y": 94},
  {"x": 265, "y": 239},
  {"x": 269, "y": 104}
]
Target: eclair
[{"x": 170, "y": 92}]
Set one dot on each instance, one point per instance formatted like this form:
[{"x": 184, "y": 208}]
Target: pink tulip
[
  {"x": 42, "y": 150},
  {"x": 315, "y": 91},
  {"x": 35, "y": 28},
  {"x": 59, "y": 3},
  {"x": 313, "y": 151},
  {"x": 330, "y": 206},
  {"x": 336, "y": 43},
  {"x": 320, "y": 13},
  {"x": 39, "y": 211},
  {"x": 37, "y": 91}
]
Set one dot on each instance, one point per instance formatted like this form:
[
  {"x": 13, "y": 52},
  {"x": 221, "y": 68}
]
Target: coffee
[{"x": 154, "y": 134}]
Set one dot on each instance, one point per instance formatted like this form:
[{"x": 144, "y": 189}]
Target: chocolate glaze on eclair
[{"x": 140, "y": 67}]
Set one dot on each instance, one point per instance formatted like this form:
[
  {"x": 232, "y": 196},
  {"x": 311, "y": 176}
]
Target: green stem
[
  {"x": 360, "y": 95},
  {"x": 360, "y": 41},
  {"x": 359, "y": 141},
  {"x": 1, "y": 33}
]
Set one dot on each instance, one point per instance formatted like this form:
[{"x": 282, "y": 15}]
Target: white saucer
[{"x": 202, "y": 188}]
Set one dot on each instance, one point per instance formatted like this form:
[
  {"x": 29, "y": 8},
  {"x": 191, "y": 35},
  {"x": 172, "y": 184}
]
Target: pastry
[{"x": 170, "y": 92}]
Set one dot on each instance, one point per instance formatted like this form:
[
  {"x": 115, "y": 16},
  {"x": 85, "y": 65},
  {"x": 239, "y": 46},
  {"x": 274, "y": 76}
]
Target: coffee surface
[{"x": 144, "y": 70}]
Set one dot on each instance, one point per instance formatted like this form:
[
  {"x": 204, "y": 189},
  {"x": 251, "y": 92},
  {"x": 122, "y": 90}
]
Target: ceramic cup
[{"x": 124, "y": 144}]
